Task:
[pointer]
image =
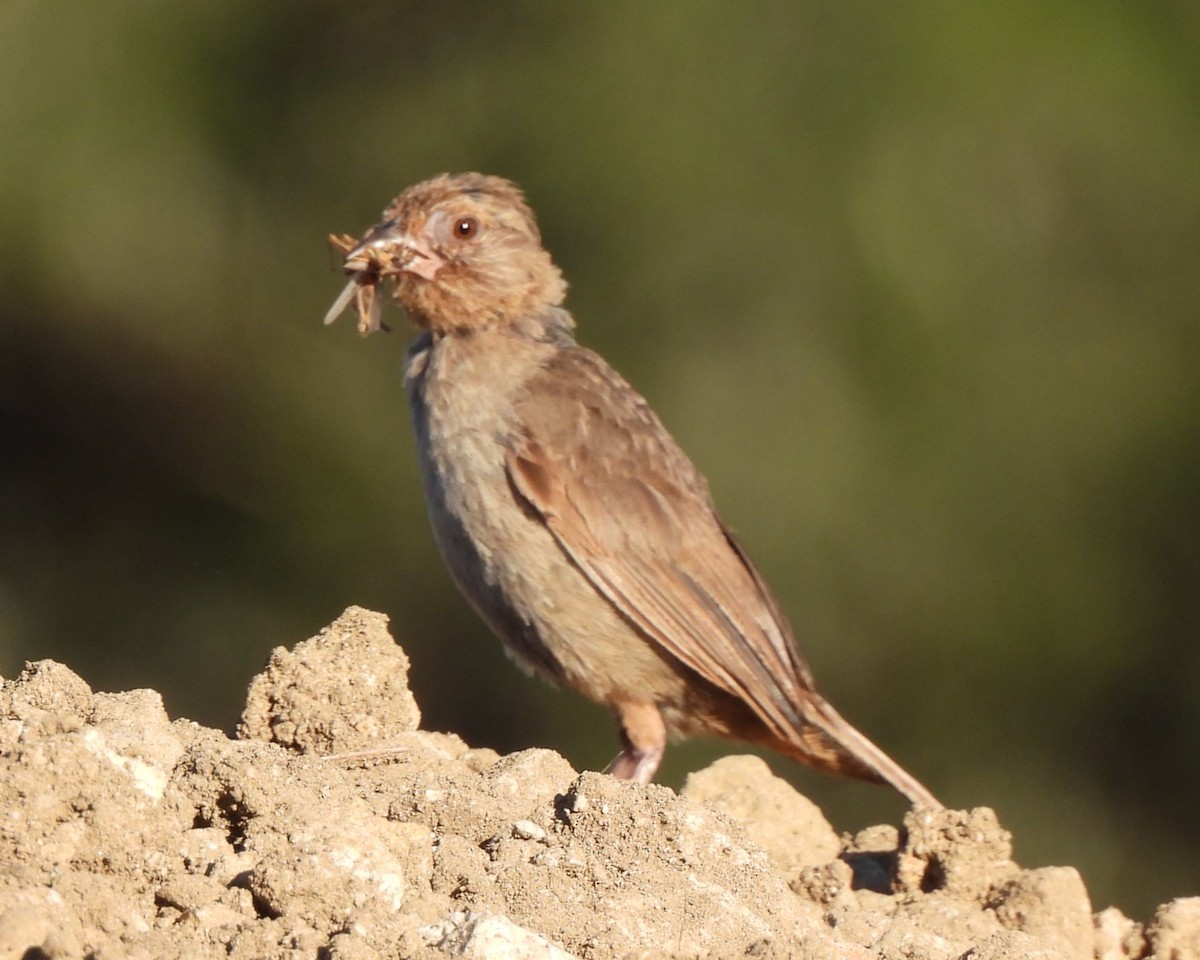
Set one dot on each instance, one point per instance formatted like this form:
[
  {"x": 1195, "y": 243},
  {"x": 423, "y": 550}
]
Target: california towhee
[{"x": 565, "y": 511}]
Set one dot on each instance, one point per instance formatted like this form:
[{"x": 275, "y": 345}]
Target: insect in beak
[{"x": 383, "y": 252}]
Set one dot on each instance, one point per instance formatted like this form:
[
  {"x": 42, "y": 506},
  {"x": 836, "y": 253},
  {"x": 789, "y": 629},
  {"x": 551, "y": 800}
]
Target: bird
[{"x": 566, "y": 513}]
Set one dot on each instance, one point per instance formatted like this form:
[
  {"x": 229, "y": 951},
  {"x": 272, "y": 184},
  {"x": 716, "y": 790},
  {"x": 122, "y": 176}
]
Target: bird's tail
[{"x": 833, "y": 743}]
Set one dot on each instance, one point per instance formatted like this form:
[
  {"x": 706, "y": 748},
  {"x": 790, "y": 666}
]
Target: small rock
[
  {"x": 1174, "y": 933},
  {"x": 1117, "y": 937},
  {"x": 528, "y": 830},
  {"x": 344, "y": 690},
  {"x": 36, "y": 922},
  {"x": 490, "y": 937},
  {"x": 784, "y": 822},
  {"x": 966, "y": 853},
  {"x": 46, "y": 689},
  {"x": 1051, "y": 904}
]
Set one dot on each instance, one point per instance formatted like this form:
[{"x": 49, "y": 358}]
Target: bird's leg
[{"x": 643, "y": 742}]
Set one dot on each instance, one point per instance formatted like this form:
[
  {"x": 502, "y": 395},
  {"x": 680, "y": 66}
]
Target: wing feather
[{"x": 632, "y": 512}]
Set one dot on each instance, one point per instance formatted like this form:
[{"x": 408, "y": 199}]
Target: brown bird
[{"x": 567, "y": 514}]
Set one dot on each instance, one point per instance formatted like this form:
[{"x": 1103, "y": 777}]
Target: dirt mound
[{"x": 333, "y": 828}]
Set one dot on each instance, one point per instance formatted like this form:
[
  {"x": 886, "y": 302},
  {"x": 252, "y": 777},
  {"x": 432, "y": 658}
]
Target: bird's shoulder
[{"x": 585, "y": 432}]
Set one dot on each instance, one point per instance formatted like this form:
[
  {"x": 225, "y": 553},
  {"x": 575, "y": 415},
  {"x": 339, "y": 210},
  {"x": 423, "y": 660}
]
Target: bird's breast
[
  {"x": 462, "y": 401},
  {"x": 462, "y": 395}
]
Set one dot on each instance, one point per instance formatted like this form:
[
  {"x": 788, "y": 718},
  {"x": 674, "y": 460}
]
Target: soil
[{"x": 333, "y": 828}]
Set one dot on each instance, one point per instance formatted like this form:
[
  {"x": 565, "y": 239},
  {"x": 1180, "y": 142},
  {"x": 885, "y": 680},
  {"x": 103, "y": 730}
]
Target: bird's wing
[{"x": 596, "y": 465}]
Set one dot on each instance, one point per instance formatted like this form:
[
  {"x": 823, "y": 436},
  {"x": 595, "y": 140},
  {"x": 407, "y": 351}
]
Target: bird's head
[{"x": 464, "y": 253}]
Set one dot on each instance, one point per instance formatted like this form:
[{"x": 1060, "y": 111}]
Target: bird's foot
[
  {"x": 643, "y": 742},
  {"x": 634, "y": 764}
]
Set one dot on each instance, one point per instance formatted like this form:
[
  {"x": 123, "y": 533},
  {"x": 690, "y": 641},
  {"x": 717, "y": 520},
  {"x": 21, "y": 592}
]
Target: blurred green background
[{"x": 915, "y": 284}]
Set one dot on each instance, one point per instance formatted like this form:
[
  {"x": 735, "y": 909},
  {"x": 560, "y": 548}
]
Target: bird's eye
[{"x": 466, "y": 227}]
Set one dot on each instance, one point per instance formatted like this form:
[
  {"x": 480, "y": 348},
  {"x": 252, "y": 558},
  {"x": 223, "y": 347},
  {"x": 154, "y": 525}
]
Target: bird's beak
[{"x": 387, "y": 250}]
